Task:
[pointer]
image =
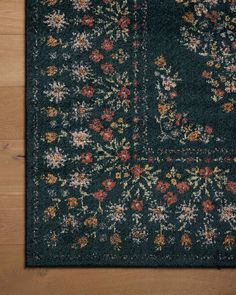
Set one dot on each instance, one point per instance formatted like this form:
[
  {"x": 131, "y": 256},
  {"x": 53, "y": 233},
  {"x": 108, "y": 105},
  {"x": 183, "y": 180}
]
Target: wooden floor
[{"x": 14, "y": 278}]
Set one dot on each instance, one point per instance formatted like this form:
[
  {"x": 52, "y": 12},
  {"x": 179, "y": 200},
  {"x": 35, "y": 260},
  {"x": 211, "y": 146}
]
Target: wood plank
[
  {"x": 16, "y": 280},
  {"x": 11, "y": 226},
  {"x": 12, "y": 60},
  {"x": 12, "y": 113},
  {"x": 12, "y": 166},
  {"x": 11, "y": 17}
]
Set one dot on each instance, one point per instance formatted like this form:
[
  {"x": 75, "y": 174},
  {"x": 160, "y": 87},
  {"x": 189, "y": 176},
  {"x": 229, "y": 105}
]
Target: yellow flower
[
  {"x": 118, "y": 175},
  {"x": 228, "y": 107},
  {"x": 114, "y": 125},
  {"x": 173, "y": 181},
  {"x": 120, "y": 120},
  {"x": 210, "y": 63},
  {"x": 217, "y": 66}
]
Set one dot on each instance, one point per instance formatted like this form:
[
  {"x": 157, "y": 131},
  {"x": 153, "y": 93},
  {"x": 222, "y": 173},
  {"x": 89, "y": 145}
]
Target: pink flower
[
  {"x": 100, "y": 195},
  {"x": 231, "y": 187},
  {"x": 162, "y": 186},
  {"x": 170, "y": 198},
  {"x": 124, "y": 155},
  {"x": 182, "y": 187},
  {"x": 107, "y": 134},
  {"x": 107, "y": 45},
  {"x": 109, "y": 184},
  {"x": 137, "y": 205},
  {"x": 124, "y": 22}
]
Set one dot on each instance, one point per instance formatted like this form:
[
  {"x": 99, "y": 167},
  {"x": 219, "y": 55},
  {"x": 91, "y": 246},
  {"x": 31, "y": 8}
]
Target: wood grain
[
  {"x": 11, "y": 17},
  {"x": 12, "y": 113},
  {"x": 14, "y": 278},
  {"x": 12, "y": 60}
]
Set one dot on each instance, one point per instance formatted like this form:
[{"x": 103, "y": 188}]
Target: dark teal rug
[{"x": 131, "y": 133}]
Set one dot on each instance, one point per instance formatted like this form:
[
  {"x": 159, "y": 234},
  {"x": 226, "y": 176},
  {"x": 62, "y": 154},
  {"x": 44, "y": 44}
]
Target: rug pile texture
[{"x": 131, "y": 133}]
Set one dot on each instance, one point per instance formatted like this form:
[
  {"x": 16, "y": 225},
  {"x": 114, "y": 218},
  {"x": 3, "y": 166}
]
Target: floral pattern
[
  {"x": 210, "y": 32},
  {"x": 98, "y": 192}
]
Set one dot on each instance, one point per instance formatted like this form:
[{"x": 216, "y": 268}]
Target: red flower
[
  {"x": 107, "y": 45},
  {"x": 231, "y": 187},
  {"x": 107, "y": 1},
  {"x": 137, "y": 205},
  {"x": 206, "y": 74},
  {"x": 96, "y": 56},
  {"x": 109, "y": 184},
  {"x": 86, "y": 158},
  {"x": 87, "y": 21},
  {"x": 100, "y": 195},
  {"x": 206, "y": 172},
  {"x": 96, "y": 125},
  {"x": 124, "y": 155},
  {"x": 87, "y": 91},
  {"x": 124, "y": 93},
  {"x": 207, "y": 206},
  {"x": 137, "y": 170},
  {"x": 233, "y": 44},
  {"x": 173, "y": 94},
  {"x": 170, "y": 198},
  {"x": 107, "y": 115},
  {"x": 182, "y": 187},
  {"x": 162, "y": 186},
  {"x": 107, "y": 68},
  {"x": 208, "y": 130},
  {"x": 124, "y": 22},
  {"x": 107, "y": 134},
  {"x": 219, "y": 92}
]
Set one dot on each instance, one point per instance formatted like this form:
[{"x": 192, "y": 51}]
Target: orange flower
[
  {"x": 50, "y": 137},
  {"x": 160, "y": 240},
  {"x": 207, "y": 206},
  {"x": 163, "y": 108},
  {"x": 51, "y": 179},
  {"x": 189, "y": 17},
  {"x": 115, "y": 239},
  {"x": 50, "y": 212},
  {"x": 229, "y": 241},
  {"x": 186, "y": 241},
  {"x": 91, "y": 221},
  {"x": 228, "y": 107},
  {"x": 52, "y": 42},
  {"x": 193, "y": 136},
  {"x": 72, "y": 202},
  {"x": 160, "y": 61},
  {"x": 82, "y": 241},
  {"x": 52, "y": 70},
  {"x": 52, "y": 112}
]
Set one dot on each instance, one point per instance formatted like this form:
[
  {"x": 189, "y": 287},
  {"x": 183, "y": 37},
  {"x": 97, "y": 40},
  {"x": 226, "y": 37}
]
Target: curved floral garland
[{"x": 210, "y": 32}]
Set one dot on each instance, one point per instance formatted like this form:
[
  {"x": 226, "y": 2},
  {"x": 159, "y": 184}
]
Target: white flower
[
  {"x": 81, "y": 42},
  {"x": 81, "y": 111},
  {"x": 228, "y": 214},
  {"x": 80, "y": 138},
  {"x": 81, "y": 72},
  {"x": 55, "y": 158},
  {"x": 187, "y": 213},
  {"x": 158, "y": 214},
  {"x": 79, "y": 179},
  {"x": 57, "y": 91},
  {"x": 116, "y": 212},
  {"x": 56, "y": 20},
  {"x": 81, "y": 4}
]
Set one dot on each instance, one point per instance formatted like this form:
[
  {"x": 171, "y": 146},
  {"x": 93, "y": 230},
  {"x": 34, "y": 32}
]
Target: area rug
[{"x": 131, "y": 133}]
